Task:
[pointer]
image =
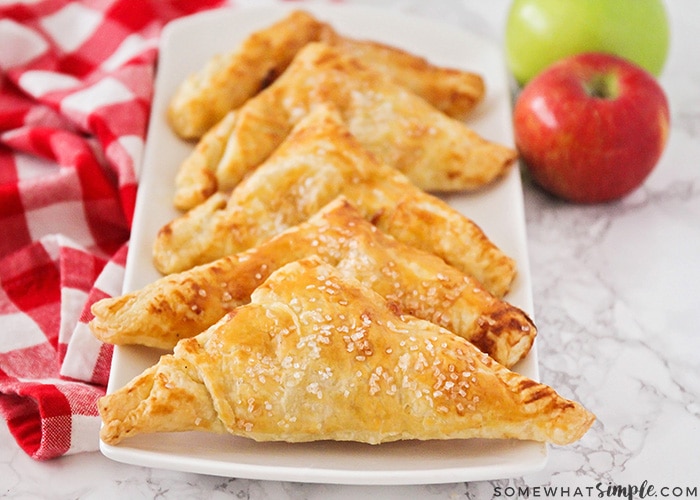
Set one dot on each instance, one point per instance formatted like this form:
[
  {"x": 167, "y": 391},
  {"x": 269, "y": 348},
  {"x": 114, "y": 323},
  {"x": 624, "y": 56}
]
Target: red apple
[{"x": 591, "y": 127}]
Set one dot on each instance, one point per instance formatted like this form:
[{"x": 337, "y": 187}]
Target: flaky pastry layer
[
  {"x": 229, "y": 79},
  {"x": 317, "y": 356},
  {"x": 410, "y": 280},
  {"x": 319, "y": 161},
  {"x": 436, "y": 152}
]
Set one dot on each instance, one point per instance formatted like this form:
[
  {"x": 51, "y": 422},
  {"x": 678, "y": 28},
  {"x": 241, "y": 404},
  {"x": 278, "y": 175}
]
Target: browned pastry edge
[
  {"x": 412, "y": 281},
  {"x": 436, "y": 152},
  {"x": 316, "y": 356},
  {"x": 227, "y": 80},
  {"x": 320, "y": 160}
]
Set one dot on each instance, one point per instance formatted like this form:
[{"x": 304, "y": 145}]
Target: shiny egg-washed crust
[
  {"x": 436, "y": 152},
  {"x": 319, "y": 161},
  {"x": 412, "y": 282},
  {"x": 453, "y": 92},
  {"x": 317, "y": 356},
  {"x": 228, "y": 80}
]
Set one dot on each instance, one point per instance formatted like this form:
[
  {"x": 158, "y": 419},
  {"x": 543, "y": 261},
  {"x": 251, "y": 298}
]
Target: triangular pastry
[
  {"x": 228, "y": 80},
  {"x": 436, "y": 152},
  {"x": 316, "y": 356},
  {"x": 319, "y": 161},
  {"x": 412, "y": 282},
  {"x": 454, "y": 92}
]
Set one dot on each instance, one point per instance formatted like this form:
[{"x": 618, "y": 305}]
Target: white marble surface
[{"x": 616, "y": 301}]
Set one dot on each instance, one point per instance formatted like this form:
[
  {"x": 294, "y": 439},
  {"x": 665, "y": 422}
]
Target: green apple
[{"x": 540, "y": 32}]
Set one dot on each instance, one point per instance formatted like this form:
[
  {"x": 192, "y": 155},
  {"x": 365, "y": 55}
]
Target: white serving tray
[{"x": 186, "y": 45}]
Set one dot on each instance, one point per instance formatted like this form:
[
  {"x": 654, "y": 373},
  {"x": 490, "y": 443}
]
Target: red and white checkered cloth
[{"x": 75, "y": 95}]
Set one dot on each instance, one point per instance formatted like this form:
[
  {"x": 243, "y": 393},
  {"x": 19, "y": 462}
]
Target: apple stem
[{"x": 602, "y": 87}]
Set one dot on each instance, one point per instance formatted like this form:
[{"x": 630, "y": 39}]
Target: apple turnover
[
  {"x": 436, "y": 152},
  {"x": 317, "y": 356},
  {"x": 228, "y": 80},
  {"x": 319, "y": 161},
  {"x": 412, "y": 282}
]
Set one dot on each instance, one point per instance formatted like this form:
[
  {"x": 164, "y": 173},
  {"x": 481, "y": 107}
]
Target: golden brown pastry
[
  {"x": 230, "y": 79},
  {"x": 316, "y": 356},
  {"x": 454, "y": 92},
  {"x": 412, "y": 282},
  {"x": 319, "y": 161},
  {"x": 436, "y": 152}
]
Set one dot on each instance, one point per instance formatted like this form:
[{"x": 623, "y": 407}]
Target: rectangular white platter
[{"x": 186, "y": 45}]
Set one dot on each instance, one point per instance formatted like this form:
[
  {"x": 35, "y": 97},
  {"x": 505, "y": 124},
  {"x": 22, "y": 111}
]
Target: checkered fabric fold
[{"x": 75, "y": 94}]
